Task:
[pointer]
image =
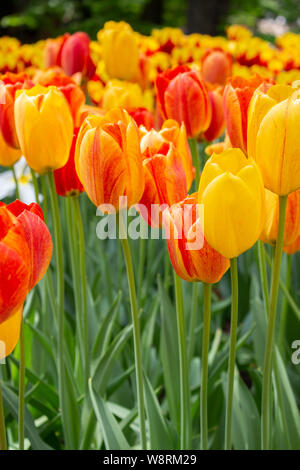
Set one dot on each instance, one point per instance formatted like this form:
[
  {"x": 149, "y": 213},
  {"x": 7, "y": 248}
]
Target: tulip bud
[
  {"x": 216, "y": 67},
  {"x": 231, "y": 189},
  {"x": 108, "y": 159},
  {"x": 66, "y": 179},
  {"x": 44, "y": 127},
  {"x": 9, "y": 84},
  {"x": 217, "y": 123},
  {"x": 237, "y": 95},
  {"x": 183, "y": 96},
  {"x": 273, "y": 137},
  {"x": 120, "y": 50},
  {"x": 292, "y": 218},
  {"x": 183, "y": 225},
  {"x": 75, "y": 55}
]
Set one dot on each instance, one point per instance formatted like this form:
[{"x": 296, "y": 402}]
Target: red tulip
[
  {"x": 75, "y": 55},
  {"x": 143, "y": 117},
  {"x": 217, "y": 123}
]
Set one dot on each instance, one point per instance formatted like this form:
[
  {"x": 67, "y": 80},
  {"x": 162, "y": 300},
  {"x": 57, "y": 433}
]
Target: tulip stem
[
  {"x": 60, "y": 292},
  {"x": 196, "y": 160},
  {"x": 136, "y": 333},
  {"x": 285, "y": 302},
  {"x": 266, "y": 415},
  {"x": 82, "y": 267},
  {"x": 3, "y": 443},
  {"x": 232, "y": 351},
  {"x": 185, "y": 417},
  {"x": 16, "y": 182},
  {"x": 204, "y": 368},
  {"x": 263, "y": 273},
  {"x": 35, "y": 184},
  {"x": 193, "y": 320},
  {"x": 21, "y": 387}
]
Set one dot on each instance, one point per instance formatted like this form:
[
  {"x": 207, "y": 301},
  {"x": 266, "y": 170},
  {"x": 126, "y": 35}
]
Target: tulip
[
  {"x": 231, "y": 189},
  {"x": 44, "y": 127},
  {"x": 122, "y": 94},
  {"x": 217, "y": 123},
  {"x": 108, "y": 158},
  {"x": 216, "y": 67},
  {"x": 26, "y": 250},
  {"x": 9, "y": 84},
  {"x": 120, "y": 50},
  {"x": 75, "y": 55},
  {"x": 273, "y": 141},
  {"x": 293, "y": 247},
  {"x": 202, "y": 264},
  {"x": 8, "y": 155},
  {"x": 237, "y": 95},
  {"x": 142, "y": 116},
  {"x": 292, "y": 218},
  {"x": 87, "y": 110},
  {"x": 53, "y": 49},
  {"x": 165, "y": 180},
  {"x": 71, "y": 91},
  {"x": 183, "y": 96},
  {"x": 66, "y": 179}
]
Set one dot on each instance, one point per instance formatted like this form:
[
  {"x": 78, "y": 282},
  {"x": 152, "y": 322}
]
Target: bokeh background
[{"x": 30, "y": 20}]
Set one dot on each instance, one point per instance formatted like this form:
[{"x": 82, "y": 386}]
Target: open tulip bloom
[{"x": 176, "y": 154}]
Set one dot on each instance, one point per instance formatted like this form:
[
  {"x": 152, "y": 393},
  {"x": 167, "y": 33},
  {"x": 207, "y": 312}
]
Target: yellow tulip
[
  {"x": 118, "y": 94},
  {"x": 44, "y": 127},
  {"x": 273, "y": 137},
  {"x": 120, "y": 50},
  {"x": 232, "y": 191}
]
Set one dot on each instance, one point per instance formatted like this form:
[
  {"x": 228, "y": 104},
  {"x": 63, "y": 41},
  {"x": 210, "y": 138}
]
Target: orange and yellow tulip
[
  {"x": 108, "y": 159},
  {"x": 44, "y": 127},
  {"x": 216, "y": 67},
  {"x": 183, "y": 223}
]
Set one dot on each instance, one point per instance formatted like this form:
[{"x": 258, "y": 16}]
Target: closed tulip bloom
[
  {"x": 120, "y": 50},
  {"x": 122, "y": 94},
  {"x": 232, "y": 191},
  {"x": 75, "y": 55},
  {"x": 53, "y": 49},
  {"x": 217, "y": 123},
  {"x": 26, "y": 250},
  {"x": 216, "y": 67},
  {"x": 292, "y": 218},
  {"x": 184, "y": 227},
  {"x": 108, "y": 158},
  {"x": 9, "y": 84},
  {"x": 69, "y": 88},
  {"x": 142, "y": 116},
  {"x": 8, "y": 155},
  {"x": 237, "y": 96},
  {"x": 66, "y": 179},
  {"x": 273, "y": 137},
  {"x": 172, "y": 132},
  {"x": 183, "y": 96},
  {"x": 165, "y": 180},
  {"x": 44, "y": 127}
]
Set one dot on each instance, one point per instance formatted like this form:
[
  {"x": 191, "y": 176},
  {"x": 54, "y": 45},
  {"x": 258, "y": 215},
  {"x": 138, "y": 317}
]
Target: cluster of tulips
[{"x": 154, "y": 98}]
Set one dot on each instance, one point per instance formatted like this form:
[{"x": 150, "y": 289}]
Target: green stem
[
  {"x": 193, "y": 320},
  {"x": 35, "y": 184},
  {"x": 136, "y": 337},
  {"x": 3, "y": 443},
  {"x": 82, "y": 267},
  {"x": 196, "y": 160},
  {"x": 204, "y": 368},
  {"x": 16, "y": 182},
  {"x": 142, "y": 253},
  {"x": 263, "y": 273},
  {"x": 266, "y": 387},
  {"x": 45, "y": 197},
  {"x": 285, "y": 303},
  {"x": 21, "y": 387},
  {"x": 60, "y": 291},
  {"x": 185, "y": 416},
  {"x": 232, "y": 351}
]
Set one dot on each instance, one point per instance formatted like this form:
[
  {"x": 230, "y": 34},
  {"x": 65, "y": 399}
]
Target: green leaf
[
  {"x": 11, "y": 402},
  {"x": 113, "y": 437}
]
